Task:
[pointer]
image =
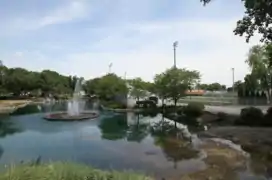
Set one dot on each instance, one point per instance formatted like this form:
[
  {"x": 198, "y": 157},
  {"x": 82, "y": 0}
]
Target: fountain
[{"x": 75, "y": 108}]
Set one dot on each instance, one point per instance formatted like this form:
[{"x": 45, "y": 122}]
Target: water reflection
[
  {"x": 7, "y": 128},
  {"x": 138, "y": 131},
  {"x": 114, "y": 128},
  {"x": 174, "y": 141},
  {"x": 122, "y": 127},
  {"x": 174, "y": 144}
]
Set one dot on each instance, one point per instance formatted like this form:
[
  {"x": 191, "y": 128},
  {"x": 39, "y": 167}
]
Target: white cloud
[
  {"x": 208, "y": 46},
  {"x": 144, "y": 47},
  {"x": 64, "y": 13},
  {"x": 71, "y": 11}
]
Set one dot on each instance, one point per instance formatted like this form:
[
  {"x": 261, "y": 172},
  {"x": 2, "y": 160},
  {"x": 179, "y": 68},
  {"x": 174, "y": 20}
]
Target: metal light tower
[
  {"x": 110, "y": 65},
  {"x": 175, "y": 45},
  {"x": 232, "y": 79}
]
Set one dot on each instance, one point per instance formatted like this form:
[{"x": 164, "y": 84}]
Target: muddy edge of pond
[
  {"x": 254, "y": 140},
  {"x": 223, "y": 162}
]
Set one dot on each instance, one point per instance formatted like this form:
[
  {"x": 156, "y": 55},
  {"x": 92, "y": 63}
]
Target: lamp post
[
  {"x": 232, "y": 79},
  {"x": 175, "y": 44},
  {"x": 110, "y": 65}
]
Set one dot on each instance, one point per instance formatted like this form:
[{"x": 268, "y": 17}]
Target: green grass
[{"x": 65, "y": 171}]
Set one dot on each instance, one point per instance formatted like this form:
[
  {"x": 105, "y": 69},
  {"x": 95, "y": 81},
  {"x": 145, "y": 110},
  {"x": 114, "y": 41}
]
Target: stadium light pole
[
  {"x": 232, "y": 79},
  {"x": 175, "y": 45}
]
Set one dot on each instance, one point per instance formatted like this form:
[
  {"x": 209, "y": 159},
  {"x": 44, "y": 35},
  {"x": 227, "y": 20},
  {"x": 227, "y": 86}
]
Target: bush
[
  {"x": 251, "y": 116},
  {"x": 194, "y": 109},
  {"x": 268, "y": 117},
  {"x": 269, "y": 111},
  {"x": 113, "y": 105},
  {"x": 67, "y": 171}
]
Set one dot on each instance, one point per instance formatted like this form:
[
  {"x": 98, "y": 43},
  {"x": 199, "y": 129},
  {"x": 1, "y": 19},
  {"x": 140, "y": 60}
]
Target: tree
[
  {"x": 160, "y": 89},
  {"x": 258, "y": 17},
  {"x": 177, "y": 81},
  {"x": 258, "y": 59},
  {"x": 107, "y": 87},
  {"x": 139, "y": 88}
]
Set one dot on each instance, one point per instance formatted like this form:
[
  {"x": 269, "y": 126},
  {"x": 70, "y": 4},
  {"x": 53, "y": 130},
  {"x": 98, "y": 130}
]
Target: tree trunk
[
  {"x": 175, "y": 103},
  {"x": 163, "y": 107}
]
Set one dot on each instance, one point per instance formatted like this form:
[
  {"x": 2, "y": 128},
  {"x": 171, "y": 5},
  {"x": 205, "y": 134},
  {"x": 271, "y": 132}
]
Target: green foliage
[
  {"x": 174, "y": 82},
  {"x": 212, "y": 87},
  {"x": 65, "y": 171},
  {"x": 19, "y": 80},
  {"x": 268, "y": 115},
  {"x": 113, "y": 104},
  {"x": 251, "y": 117},
  {"x": 139, "y": 88},
  {"x": 194, "y": 109},
  {"x": 258, "y": 17},
  {"x": 106, "y": 87}
]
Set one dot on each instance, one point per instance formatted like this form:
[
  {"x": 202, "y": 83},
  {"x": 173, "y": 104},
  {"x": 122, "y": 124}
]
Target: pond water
[
  {"x": 148, "y": 144},
  {"x": 112, "y": 141}
]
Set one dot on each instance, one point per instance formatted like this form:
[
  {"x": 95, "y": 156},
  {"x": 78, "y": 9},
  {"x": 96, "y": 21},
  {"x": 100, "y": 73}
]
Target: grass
[{"x": 65, "y": 171}]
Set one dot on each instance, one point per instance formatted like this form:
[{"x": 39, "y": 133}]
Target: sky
[{"x": 82, "y": 37}]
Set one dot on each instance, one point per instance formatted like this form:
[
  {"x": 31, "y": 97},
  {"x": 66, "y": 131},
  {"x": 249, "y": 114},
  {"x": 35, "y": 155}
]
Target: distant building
[{"x": 195, "y": 92}]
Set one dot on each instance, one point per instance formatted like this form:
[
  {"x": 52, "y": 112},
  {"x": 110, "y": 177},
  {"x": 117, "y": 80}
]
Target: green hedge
[
  {"x": 65, "y": 171},
  {"x": 253, "y": 116},
  {"x": 113, "y": 105},
  {"x": 194, "y": 109}
]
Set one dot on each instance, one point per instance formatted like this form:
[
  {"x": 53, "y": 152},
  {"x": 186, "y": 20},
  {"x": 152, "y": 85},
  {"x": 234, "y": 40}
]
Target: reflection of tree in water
[
  {"x": 7, "y": 128},
  {"x": 114, "y": 128},
  {"x": 117, "y": 127},
  {"x": 137, "y": 132},
  {"x": 29, "y": 109},
  {"x": 175, "y": 146}
]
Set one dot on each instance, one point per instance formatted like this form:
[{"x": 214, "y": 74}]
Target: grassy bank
[{"x": 65, "y": 171}]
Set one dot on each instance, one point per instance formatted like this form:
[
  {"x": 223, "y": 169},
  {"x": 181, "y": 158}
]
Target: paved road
[{"x": 230, "y": 109}]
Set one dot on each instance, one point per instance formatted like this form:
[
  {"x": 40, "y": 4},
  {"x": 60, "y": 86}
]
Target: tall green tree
[
  {"x": 257, "y": 17},
  {"x": 177, "y": 81},
  {"x": 259, "y": 62},
  {"x": 107, "y": 87},
  {"x": 138, "y": 88},
  {"x": 160, "y": 89}
]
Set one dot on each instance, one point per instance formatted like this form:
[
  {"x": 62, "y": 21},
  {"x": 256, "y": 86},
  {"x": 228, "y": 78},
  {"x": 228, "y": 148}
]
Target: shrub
[
  {"x": 268, "y": 117},
  {"x": 250, "y": 116},
  {"x": 194, "y": 109},
  {"x": 269, "y": 111},
  {"x": 113, "y": 105},
  {"x": 67, "y": 171}
]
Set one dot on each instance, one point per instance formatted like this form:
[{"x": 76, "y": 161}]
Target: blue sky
[{"x": 82, "y": 37}]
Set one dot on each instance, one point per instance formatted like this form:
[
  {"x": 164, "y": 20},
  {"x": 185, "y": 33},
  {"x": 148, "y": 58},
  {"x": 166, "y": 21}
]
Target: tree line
[{"x": 170, "y": 84}]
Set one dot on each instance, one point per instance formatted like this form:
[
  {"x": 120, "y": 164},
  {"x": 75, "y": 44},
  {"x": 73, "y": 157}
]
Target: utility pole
[
  {"x": 125, "y": 76},
  {"x": 110, "y": 68},
  {"x": 175, "y": 44},
  {"x": 232, "y": 79}
]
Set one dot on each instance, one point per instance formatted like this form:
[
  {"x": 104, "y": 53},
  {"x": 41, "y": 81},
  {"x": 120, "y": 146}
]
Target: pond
[{"x": 148, "y": 144}]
